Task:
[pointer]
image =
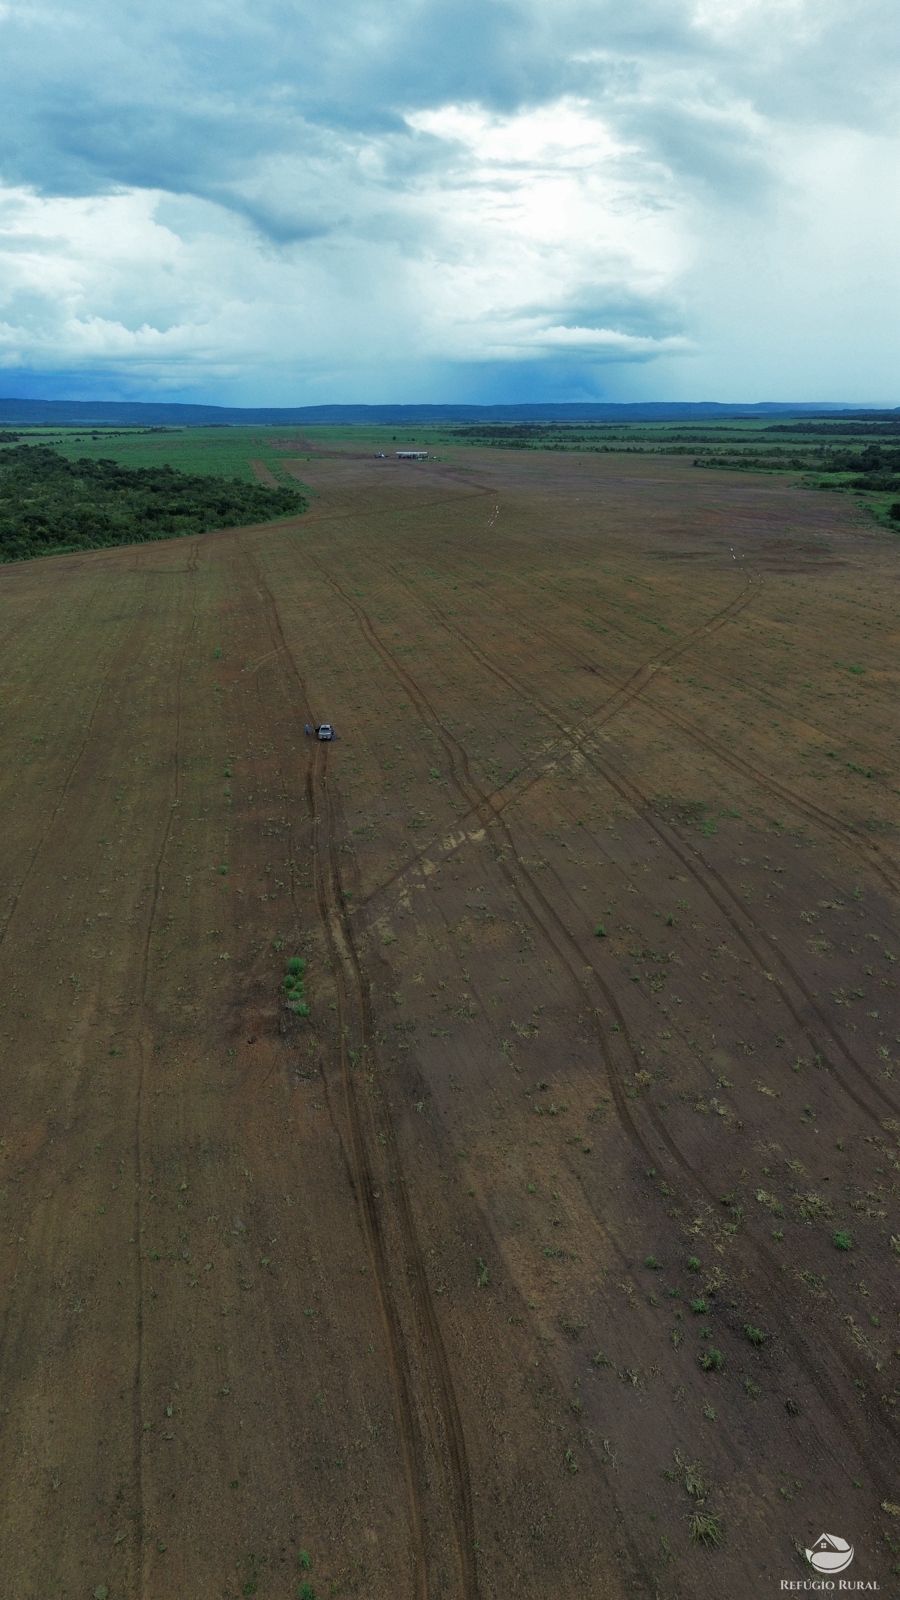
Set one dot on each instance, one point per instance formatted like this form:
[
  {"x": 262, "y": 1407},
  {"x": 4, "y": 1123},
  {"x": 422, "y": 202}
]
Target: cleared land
[{"x": 556, "y": 1244}]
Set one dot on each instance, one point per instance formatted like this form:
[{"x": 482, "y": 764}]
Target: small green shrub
[
  {"x": 755, "y": 1335},
  {"x": 699, "y": 1306},
  {"x": 292, "y": 984},
  {"x": 712, "y": 1360},
  {"x": 842, "y": 1240},
  {"x": 706, "y": 1529}
]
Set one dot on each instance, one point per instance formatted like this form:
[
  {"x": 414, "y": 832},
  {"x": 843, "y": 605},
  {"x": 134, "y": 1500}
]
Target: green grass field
[
  {"x": 744, "y": 444},
  {"x": 214, "y": 452}
]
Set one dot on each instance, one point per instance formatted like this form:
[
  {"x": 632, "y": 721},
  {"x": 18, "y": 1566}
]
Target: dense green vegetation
[{"x": 49, "y": 504}]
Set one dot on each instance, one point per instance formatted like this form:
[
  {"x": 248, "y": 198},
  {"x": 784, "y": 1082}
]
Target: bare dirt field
[{"x": 554, "y": 1252}]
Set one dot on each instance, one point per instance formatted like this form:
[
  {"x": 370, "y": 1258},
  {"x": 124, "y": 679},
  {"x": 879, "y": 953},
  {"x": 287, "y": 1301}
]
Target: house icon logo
[{"x": 830, "y": 1554}]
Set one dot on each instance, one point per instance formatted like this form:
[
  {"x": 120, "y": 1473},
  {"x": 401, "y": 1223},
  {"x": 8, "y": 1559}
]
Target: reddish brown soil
[{"x": 407, "y": 1286}]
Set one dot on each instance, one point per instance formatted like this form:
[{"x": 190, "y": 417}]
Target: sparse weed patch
[
  {"x": 755, "y": 1335},
  {"x": 293, "y": 987},
  {"x": 692, "y": 1478},
  {"x": 811, "y": 1206},
  {"x": 706, "y": 1529}
]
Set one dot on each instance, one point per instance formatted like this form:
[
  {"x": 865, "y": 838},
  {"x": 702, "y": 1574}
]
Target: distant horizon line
[{"x": 23, "y": 408}]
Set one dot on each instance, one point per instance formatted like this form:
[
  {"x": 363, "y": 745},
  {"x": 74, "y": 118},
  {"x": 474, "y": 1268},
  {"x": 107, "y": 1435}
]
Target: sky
[{"x": 282, "y": 202}]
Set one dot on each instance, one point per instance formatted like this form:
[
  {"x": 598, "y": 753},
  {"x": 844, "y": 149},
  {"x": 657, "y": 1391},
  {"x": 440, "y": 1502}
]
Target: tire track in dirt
[
  {"x": 707, "y": 878},
  {"x": 520, "y": 879},
  {"x": 314, "y": 516},
  {"x": 364, "y": 1182},
  {"x": 496, "y": 800},
  {"x": 837, "y": 826},
  {"x": 454, "y": 1438},
  {"x": 481, "y": 805},
  {"x": 639, "y": 803},
  {"x": 280, "y": 651},
  {"x": 519, "y": 875},
  {"x": 841, "y": 829},
  {"x": 143, "y": 1045},
  {"x": 589, "y": 1443},
  {"x": 118, "y": 654},
  {"x": 353, "y": 997},
  {"x": 530, "y": 895},
  {"x": 175, "y": 800},
  {"x": 866, "y": 846},
  {"x": 698, "y": 869},
  {"x": 740, "y": 921}
]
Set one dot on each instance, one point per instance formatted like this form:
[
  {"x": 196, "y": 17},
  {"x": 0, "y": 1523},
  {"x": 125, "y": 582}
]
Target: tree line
[{"x": 49, "y": 505}]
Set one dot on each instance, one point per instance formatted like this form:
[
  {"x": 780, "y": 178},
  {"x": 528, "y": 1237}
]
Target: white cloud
[{"x": 673, "y": 193}]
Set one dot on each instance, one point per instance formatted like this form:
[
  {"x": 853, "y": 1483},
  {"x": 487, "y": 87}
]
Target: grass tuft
[{"x": 706, "y": 1529}]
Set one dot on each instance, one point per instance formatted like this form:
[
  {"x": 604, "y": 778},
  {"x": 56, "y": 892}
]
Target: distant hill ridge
[{"x": 82, "y": 413}]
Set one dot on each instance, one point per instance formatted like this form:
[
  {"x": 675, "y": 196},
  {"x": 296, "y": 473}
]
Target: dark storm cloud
[
  {"x": 177, "y": 97},
  {"x": 187, "y": 98}
]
